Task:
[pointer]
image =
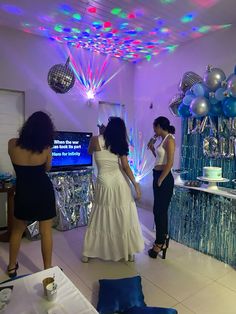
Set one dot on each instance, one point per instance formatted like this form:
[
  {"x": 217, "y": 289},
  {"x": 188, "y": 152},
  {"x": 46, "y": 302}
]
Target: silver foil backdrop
[
  {"x": 205, "y": 222},
  {"x": 74, "y": 193}
]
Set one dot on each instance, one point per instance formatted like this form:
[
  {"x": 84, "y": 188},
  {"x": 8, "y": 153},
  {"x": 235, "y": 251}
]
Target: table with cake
[{"x": 202, "y": 215}]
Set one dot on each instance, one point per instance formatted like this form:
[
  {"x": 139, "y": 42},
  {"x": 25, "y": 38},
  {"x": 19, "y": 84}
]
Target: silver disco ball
[
  {"x": 61, "y": 78},
  {"x": 188, "y": 80},
  {"x": 175, "y": 103}
]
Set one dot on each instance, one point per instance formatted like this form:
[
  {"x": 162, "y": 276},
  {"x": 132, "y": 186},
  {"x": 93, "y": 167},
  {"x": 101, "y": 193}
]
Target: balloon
[
  {"x": 220, "y": 94},
  {"x": 199, "y": 107},
  {"x": 188, "y": 92},
  {"x": 216, "y": 110},
  {"x": 213, "y": 78},
  {"x": 188, "y": 80},
  {"x": 61, "y": 78},
  {"x": 231, "y": 86},
  {"x": 187, "y": 99},
  {"x": 212, "y": 98},
  {"x": 174, "y": 104},
  {"x": 200, "y": 89},
  {"x": 229, "y": 107},
  {"x": 184, "y": 111}
]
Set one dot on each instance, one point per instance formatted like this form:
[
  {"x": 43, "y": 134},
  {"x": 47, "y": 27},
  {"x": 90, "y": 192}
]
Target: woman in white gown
[{"x": 113, "y": 231}]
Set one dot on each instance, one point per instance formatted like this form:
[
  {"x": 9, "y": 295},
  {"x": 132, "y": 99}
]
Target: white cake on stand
[{"x": 212, "y": 175}]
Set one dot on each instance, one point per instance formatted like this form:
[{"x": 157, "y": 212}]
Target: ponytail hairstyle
[
  {"x": 164, "y": 123},
  {"x": 115, "y": 136}
]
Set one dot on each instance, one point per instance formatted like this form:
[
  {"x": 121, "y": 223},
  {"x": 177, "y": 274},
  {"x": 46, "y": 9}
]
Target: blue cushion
[
  {"x": 118, "y": 295},
  {"x": 150, "y": 310}
]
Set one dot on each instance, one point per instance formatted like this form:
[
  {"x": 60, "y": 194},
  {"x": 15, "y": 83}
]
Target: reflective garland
[
  {"x": 73, "y": 192},
  {"x": 205, "y": 222},
  {"x": 193, "y": 158}
]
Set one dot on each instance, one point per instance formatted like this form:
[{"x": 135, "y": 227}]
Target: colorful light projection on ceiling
[
  {"x": 130, "y": 32},
  {"x": 92, "y": 73}
]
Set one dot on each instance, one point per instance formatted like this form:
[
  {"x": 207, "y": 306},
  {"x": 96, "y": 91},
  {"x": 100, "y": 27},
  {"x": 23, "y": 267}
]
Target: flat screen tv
[{"x": 70, "y": 151}]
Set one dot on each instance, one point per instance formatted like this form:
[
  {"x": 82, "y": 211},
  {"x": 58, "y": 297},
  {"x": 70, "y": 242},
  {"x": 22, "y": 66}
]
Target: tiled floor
[{"x": 187, "y": 280}]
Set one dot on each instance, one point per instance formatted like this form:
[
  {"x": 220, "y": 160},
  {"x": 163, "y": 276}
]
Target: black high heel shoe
[
  {"x": 161, "y": 248},
  {"x": 12, "y": 271}
]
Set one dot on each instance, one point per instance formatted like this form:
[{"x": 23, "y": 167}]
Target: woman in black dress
[{"x": 34, "y": 198}]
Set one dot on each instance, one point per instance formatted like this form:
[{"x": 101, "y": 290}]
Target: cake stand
[
  {"x": 212, "y": 183},
  {"x": 177, "y": 174}
]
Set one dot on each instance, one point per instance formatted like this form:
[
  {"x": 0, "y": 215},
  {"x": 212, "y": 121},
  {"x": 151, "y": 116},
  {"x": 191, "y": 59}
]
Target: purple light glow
[{"x": 12, "y": 9}]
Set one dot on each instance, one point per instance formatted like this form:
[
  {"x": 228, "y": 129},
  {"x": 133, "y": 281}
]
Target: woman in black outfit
[
  {"x": 163, "y": 182},
  {"x": 34, "y": 198}
]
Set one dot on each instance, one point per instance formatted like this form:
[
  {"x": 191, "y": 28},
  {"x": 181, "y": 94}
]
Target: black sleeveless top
[{"x": 34, "y": 197}]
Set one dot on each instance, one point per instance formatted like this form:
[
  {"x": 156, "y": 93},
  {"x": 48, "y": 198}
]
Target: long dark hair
[
  {"x": 37, "y": 133},
  {"x": 115, "y": 136},
  {"x": 164, "y": 123}
]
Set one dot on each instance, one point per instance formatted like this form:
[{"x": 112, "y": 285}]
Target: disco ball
[
  {"x": 188, "y": 80},
  {"x": 61, "y": 78}
]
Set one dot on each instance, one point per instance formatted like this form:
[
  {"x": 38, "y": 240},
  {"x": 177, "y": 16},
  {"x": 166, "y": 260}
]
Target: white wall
[
  {"x": 157, "y": 82},
  {"x": 25, "y": 60}
]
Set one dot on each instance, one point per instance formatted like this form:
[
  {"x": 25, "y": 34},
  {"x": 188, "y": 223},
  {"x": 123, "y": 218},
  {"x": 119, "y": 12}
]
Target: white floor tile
[
  {"x": 187, "y": 280},
  {"x": 213, "y": 299}
]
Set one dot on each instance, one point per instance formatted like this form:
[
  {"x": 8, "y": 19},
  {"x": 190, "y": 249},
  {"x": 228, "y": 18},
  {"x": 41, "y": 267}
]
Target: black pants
[{"x": 162, "y": 197}]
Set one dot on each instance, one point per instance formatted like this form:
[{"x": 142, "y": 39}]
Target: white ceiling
[{"x": 128, "y": 29}]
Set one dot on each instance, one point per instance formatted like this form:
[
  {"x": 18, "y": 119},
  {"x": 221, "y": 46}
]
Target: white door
[{"x": 11, "y": 119}]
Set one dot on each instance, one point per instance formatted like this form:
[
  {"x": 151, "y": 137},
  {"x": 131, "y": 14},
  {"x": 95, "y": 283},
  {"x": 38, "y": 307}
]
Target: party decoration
[
  {"x": 231, "y": 86},
  {"x": 74, "y": 193},
  {"x": 175, "y": 103},
  {"x": 198, "y": 127},
  {"x": 213, "y": 78},
  {"x": 220, "y": 94},
  {"x": 61, "y": 78},
  {"x": 187, "y": 99},
  {"x": 188, "y": 80},
  {"x": 190, "y": 125},
  {"x": 232, "y": 147},
  {"x": 229, "y": 107},
  {"x": 210, "y": 146},
  {"x": 216, "y": 109},
  {"x": 199, "y": 89},
  {"x": 199, "y": 107},
  {"x": 184, "y": 111},
  {"x": 222, "y": 146}
]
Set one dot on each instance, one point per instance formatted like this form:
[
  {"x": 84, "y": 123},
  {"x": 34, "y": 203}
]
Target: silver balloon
[
  {"x": 213, "y": 78},
  {"x": 174, "y": 104},
  {"x": 231, "y": 150},
  {"x": 222, "y": 147},
  {"x": 199, "y": 107},
  {"x": 61, "y": 78},
  {"x": 188, "y": 80},
  {"x": 231, "y": 86},
  {"x": 197, "y": 128},
  {"x": 210, "y": 146}
]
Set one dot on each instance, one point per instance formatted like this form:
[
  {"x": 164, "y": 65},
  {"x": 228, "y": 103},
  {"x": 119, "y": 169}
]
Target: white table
[{"x": 28, "y": 298}]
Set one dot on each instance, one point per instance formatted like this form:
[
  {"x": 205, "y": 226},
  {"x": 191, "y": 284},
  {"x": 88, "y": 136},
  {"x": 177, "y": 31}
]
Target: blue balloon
[
  {"x": 216, "y": 110},
  {"x": 213, "y": 100},
  {"x": 183, "y": 111},
  {"x": 229, "y": 107},
  {"x": 200, "y": 90},
  {"x": 188, "y": 92},
  {"x": 235, "y": 69},
  {"x": 219, "y": 94},
  {"x": 187, "y": 99}
]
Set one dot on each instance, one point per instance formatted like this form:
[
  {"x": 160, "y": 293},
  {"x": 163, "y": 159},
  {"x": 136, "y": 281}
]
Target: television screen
[{"x": 70, "y": 150}]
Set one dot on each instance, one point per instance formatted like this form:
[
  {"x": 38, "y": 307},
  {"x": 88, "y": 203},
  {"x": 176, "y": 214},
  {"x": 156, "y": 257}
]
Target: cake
[{"x": 212, "y": 173}]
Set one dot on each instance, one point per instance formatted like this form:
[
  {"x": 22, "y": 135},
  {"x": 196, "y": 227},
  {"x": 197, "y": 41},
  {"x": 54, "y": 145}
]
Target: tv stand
[{"x": 74, "y": 193}]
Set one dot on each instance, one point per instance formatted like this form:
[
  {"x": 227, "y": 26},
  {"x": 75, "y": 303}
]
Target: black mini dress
[{"x": 34, "y": 198}]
